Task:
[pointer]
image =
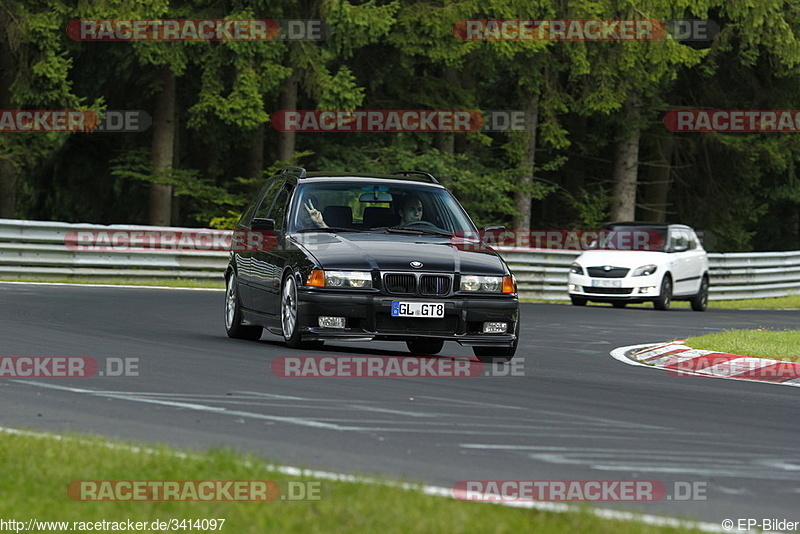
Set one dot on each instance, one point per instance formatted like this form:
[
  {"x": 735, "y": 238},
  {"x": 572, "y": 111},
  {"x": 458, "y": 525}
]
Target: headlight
[
  {"x": 342, "y": 279},
  {"x": 491, "y": 284},
  {"x": 645, "y": 270},
  {"x": 576, "y": 268}
]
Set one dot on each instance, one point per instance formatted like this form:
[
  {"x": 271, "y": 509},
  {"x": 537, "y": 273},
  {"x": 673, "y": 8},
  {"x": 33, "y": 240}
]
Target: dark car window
[
  {"x": 265, "y": 192},
  {"x": 266, "y": 203},
  {"x": 278, "y": 210}
]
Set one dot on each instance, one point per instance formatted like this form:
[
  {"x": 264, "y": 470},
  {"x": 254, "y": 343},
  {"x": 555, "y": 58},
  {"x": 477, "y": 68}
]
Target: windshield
[{"x": 374, "y": 207}]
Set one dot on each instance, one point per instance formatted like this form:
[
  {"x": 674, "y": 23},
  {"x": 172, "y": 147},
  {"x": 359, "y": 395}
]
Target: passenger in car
[{"x": 410, "y": 210}]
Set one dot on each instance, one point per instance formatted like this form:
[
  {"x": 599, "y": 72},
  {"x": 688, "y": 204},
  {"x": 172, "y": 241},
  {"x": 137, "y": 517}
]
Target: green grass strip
[
  {"x": 760, "y": 343},
  {"x": 38, "y": 469}
]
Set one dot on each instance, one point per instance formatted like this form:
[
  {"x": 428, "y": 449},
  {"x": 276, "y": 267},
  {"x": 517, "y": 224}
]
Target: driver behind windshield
[{"x": 410, "y": 210}]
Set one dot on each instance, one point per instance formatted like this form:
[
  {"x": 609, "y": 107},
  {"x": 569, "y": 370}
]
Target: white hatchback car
[{"x": 660, "y": 263}]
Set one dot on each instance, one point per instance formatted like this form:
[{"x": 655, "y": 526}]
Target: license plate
[
  {"x": 606, "y": 283},
  {"x": 428, "y": 310}
]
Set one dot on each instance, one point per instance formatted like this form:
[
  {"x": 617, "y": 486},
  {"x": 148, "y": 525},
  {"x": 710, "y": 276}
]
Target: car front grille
[
  {"x": 434, "y": 285},
  {"x": 437, "y": 285},
  {"x": 400, "y": 325},
  {"x": 400, "y": 284},
  {"x": 613, "y": 272},
  {"x": 608, "y": 290}
]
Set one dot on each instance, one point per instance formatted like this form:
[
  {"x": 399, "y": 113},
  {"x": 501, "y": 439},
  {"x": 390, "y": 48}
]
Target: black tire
[
  {"x": 619, "y": 304},
  {"x": 578, "y": 301},
  {"x": 700, "y": 301},
  {"x": 233, "y": 314},
  {"x": 497, "y": 354},
  {"x": 426, "y": 347},
  {"x": 665, "y": 297},
  {"x": 289, "y": 312}
]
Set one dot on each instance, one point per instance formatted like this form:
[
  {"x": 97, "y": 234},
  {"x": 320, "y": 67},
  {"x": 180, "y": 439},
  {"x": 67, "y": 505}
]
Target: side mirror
[{"x": 258, "y": 225}]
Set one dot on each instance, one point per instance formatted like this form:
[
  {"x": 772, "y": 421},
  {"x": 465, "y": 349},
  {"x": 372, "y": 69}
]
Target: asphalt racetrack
[{"x": 575, "y": 413}]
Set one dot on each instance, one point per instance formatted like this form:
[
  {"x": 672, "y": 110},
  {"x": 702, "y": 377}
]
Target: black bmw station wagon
[{"x": 346, "y": 257}]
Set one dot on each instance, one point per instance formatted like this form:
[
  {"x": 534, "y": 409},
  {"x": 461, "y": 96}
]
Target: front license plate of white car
[
  {"x": 606, "y": 283},
  {"x": 428, "y": 310}
]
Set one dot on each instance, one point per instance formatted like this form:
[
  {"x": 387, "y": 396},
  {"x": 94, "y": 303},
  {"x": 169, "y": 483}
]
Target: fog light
[
  {"x": 495, "y": 328},
  {"x": 648, "y": 289},
  {"x": 331, "y": 322},
  {"x": 573, "y": 287}
]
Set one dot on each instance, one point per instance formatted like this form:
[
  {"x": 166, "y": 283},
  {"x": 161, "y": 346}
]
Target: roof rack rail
[
  {"x": 299, "y": 170},
  {"x": 427, "y": 175}
]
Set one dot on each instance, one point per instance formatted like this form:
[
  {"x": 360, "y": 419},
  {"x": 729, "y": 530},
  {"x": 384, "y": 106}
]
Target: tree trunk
[
  {"x": 522, "y": 197},
  {"x": 286, "y": 140},
  {"x": 659, "y": 179},
  {"x": 446, "y": 141},
  {"x": 162, "y": 149},
  {"x": 255, "y": 160},
  {"x": 8, "y": 189},
  {"x": 626, "y": 163},
  {"x": 8, "y": 170}
]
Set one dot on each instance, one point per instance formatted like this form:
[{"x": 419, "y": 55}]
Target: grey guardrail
[{"x": 39, "y": 250}]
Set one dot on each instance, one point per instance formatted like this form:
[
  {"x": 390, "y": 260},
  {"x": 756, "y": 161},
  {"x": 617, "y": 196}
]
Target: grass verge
[
  {"x": 761, "y": 343},
  {"x": 37, "y": 471}
]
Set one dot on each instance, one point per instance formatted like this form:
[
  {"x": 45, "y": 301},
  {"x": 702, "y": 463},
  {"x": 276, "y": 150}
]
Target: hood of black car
[{"x": 396, "y": 252}]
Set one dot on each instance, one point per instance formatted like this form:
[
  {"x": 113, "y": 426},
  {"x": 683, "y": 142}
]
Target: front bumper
[
  {"x": 627, "y": 289},
  {"x": 368, "y": 317}
]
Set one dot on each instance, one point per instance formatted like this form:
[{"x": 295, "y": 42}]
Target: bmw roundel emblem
[{"x": 416, "y": 264}]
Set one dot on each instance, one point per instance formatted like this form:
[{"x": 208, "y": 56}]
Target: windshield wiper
[
  {"x": 412, "y": 231},
  {"x": 329, "y": 229}
]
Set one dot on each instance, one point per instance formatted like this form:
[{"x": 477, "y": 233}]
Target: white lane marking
[
  {"x": 595, "y": 452},
  {"x": 300, "y": 421},
  {"x": 275, "y": 396},
  {"x": 348, "y": 424},
  {"x": 396, "y": 412},
  {"x": 124, "y": 286},
  {"x": 426, "y": 489},
  {"x": 472, "y": 403}
]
